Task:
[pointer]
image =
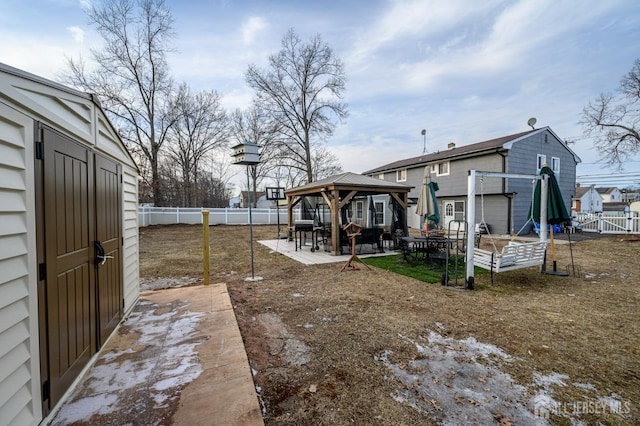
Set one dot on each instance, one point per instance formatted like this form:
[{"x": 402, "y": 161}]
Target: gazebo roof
[{"x": 349, "y": 182}]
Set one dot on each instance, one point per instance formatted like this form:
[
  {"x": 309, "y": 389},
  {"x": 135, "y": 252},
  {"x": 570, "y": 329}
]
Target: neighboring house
[
  {"x": 68, "y": 240},
  {"x": 610, "y": 194},
  {"x": 262, "y": 202},
  {"x": 586, "y": 200},
  {"x": 506, "y": 201}
]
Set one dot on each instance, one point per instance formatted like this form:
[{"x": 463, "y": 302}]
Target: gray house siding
[
  {"x": 523, "y": 159},
  {"x": 456, "y": 183}
]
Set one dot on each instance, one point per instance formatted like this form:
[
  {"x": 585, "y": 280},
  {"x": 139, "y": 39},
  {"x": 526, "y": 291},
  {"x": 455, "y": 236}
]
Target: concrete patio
[
  {"x": 178, "y": 358},
  {"x": 305, "y": 256}
]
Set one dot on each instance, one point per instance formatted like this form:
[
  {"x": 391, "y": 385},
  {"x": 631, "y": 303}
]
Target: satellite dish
[{"x": 532, "y": 122}]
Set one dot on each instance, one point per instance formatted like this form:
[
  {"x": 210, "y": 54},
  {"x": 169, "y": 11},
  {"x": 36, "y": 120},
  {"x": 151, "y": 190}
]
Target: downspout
[{"x": 504, "y": 192}]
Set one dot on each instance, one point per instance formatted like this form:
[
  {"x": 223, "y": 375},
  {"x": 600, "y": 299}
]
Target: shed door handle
[{"x": 100, "y": 256}]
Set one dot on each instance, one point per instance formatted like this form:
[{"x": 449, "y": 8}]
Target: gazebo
[{"x": 339, "y": 190}]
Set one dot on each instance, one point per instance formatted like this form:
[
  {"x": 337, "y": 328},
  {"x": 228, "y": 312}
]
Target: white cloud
[
  {"x": 251, "y": 28},
  {"x": 77, "y": 33}
]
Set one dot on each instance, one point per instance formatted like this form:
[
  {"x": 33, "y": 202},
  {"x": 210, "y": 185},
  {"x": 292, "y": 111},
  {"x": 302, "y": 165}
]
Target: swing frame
[{"x": 493, "y": 261}]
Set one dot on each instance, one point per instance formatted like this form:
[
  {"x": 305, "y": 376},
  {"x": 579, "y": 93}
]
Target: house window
[
  {"x": 401, "y": 175},
  {"x": 381, "y": 176},
  {"x": 359, "y": 210},
  {"x": 434, "y": 168},
  {"x": 555, "y": 165},
  {"x": 379, "y": 216},
  {"x": 459, "y": 210},
  {"x": 541, "y": 161},
  {"x": 443, "y": 169}
]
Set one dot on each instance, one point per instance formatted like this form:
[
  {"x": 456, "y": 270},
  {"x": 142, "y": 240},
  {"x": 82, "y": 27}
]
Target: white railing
[
  {"x": 227, "y": 216},
  {"x": 628, "y": 223}
]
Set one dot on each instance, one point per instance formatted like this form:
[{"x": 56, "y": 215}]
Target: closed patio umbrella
[
  {"x": 556, "y": 209},
  {"x": 427, "y": 201}
]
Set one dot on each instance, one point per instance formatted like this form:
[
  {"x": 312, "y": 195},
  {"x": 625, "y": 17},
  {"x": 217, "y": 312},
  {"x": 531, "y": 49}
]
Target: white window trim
[
  {"x": 399, "y": 175},
  {"x": 540, "y": 163},
  {"x": 359, "y": 210},
  {"x": 381, "y": 176},
  {"x": 553, "y": 161},
  {"x": 381, "y": 212},
  {"x": 448, "y": 168}
]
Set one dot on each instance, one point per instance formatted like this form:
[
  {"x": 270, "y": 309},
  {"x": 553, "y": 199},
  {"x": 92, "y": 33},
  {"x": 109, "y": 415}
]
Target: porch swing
[{"x": 514, "y": 255}]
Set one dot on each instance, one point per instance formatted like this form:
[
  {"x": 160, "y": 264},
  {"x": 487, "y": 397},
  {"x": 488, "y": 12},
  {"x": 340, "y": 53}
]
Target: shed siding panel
[
  {"x": 130, "y": 250},
  {"x": 18, "y": 310}
]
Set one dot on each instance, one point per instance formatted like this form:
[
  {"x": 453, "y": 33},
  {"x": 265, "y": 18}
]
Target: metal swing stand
[
  {"x": 471, "y": 214},
  {"x": 353, "y": 230}
]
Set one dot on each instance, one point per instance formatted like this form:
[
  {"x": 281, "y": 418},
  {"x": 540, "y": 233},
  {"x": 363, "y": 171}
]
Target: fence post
[
  {"x": 600, "y": 223},
  {"x": 205, "y": 245}
]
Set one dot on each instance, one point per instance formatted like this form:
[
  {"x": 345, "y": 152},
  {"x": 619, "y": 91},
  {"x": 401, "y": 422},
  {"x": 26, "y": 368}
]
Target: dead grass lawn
[{"x": 315, "y": 336}]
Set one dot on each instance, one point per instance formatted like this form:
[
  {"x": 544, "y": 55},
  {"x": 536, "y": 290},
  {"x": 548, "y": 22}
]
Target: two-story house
[
  {"x": 506, "y": 202},
  {"x": 586, "y": 200}
]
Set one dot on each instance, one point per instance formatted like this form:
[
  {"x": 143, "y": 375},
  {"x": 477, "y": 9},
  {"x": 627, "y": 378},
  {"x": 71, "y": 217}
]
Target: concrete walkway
[{"x": 177, "y": 359}]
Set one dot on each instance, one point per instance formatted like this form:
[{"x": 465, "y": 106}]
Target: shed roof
[{"x": 71, "y": 93}]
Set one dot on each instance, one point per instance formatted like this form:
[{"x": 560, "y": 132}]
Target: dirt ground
[{"x": 374, "y": 347}]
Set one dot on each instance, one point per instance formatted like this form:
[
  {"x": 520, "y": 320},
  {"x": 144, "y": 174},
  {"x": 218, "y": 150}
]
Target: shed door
[
  {"x": 68, "y": 250},
  {"x": 80, "y": 297},
  {"x": 109, "y": 236}
]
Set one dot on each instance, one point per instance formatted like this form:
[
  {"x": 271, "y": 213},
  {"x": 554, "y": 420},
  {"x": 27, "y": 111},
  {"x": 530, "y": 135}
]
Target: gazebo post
[
  {"x": 335, "y": 223},
  {"x": 405, "y": 199},
  {"x": 289, "y": 217}
]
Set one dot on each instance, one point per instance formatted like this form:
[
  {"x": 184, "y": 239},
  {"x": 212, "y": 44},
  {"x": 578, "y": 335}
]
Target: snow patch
[{"x": 168, "y": 340}]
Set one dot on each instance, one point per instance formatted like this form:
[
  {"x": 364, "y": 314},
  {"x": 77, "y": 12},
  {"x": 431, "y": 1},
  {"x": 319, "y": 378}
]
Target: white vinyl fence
[
  {"x": 610, "y": 223},
  {"x": 228, "y": 216}
]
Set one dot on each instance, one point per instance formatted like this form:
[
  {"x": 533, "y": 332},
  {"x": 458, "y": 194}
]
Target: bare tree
[
  {"x": 614, "y": 120},
  {"x": 301, "y": 90},
  {"x": 254, "y": 125},
  {"x": 201, "y": 126},
  {"x": 286, "y": 173},
  {"x": 325, "y": 164},
  {"x": 131, "y": 76}
]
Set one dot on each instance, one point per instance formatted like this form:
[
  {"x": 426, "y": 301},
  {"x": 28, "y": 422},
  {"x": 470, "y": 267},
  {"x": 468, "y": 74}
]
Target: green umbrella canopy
[{"x": 556, "y": 210}]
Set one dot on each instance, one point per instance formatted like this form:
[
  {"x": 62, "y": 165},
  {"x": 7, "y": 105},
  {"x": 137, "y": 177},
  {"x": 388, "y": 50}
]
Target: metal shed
[{"x": 68, "y": 240}]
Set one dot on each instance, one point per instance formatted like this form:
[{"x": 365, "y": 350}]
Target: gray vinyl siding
[
  {"x": 523, "y": 159},
  {"x": 456, "y": 183},
  {"x": 496, "y": 213}
]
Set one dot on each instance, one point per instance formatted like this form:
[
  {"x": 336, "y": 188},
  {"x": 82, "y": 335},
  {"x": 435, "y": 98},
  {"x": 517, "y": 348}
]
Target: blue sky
[{"x": 464, "y": 70}]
